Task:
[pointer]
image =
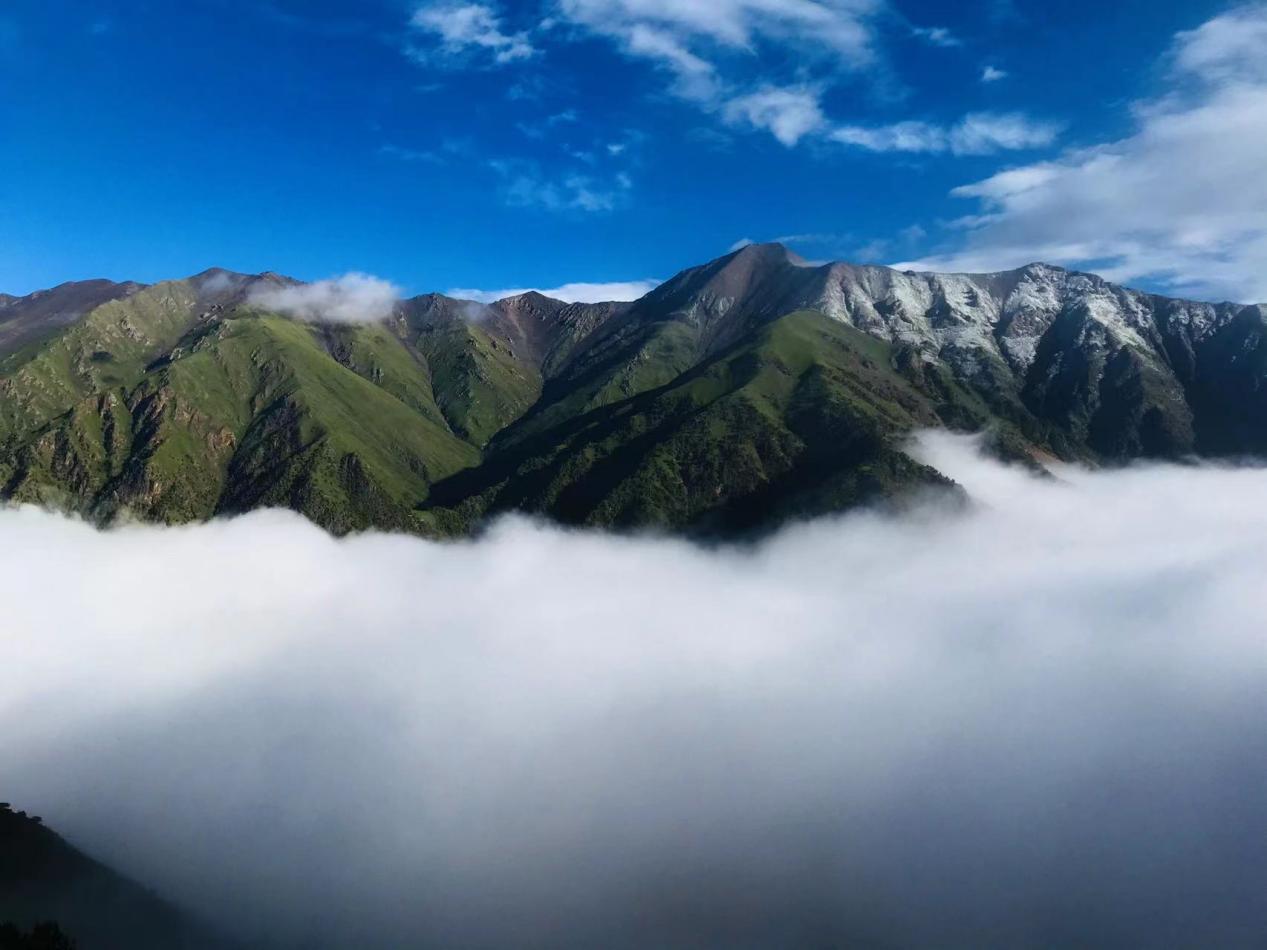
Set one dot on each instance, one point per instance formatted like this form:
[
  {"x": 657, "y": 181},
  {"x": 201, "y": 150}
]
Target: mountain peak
[
  {"x": 1041, "y": 268},
  {"x": 770, "y": 252},
  {"x": 530, "y": 298}
]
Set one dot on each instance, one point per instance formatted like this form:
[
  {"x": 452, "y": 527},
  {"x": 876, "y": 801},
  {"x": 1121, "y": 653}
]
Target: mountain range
[{"x": 742, "y": 393}]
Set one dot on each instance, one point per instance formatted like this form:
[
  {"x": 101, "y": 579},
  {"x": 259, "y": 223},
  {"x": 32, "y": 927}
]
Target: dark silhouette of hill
[{"x": 54, "y": 897}]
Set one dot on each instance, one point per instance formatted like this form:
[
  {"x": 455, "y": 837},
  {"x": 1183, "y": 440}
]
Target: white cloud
[
  {"x": 713, "y": 48},
  {"x": 462, "y": 27},
  {"x": 695, "y": 78},
  {"x": 572, "y": 293},
  {"x": 898, "y": 137},
  {"x": 352, "y": 298},
  {"x": 710, "y": 46},
  {"x": 1182, "y": 201},
  {"x": 1035, "y": 723},
  {"x": 982, "y": 133},
  {"x": 978, "y": 133},
  {"x": 526, "y": 186},
  {"x": 789, "y": 114},
  {"x": 937, "y": 36},
  {"x": 1229, "y": 48},
  {"x": 539, "y": 130},
  {"x": 992, "y": 74},
  {"x": 666, "y": 30}
]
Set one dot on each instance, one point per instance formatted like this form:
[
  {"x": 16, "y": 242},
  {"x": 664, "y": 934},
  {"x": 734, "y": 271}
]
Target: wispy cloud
[
  {"x": 688, "y": 38},
  {"x": 1182, "y": 201},
  {"x": 993, "y": 74},
  {"x": 937, "y": 36},
  {"x": 708, "y": 49},
  {"x": 462, "y": 28},
  {"x": 411, "y": 155},
  {"x": 789, "y": 114},
  {"x": 352, "y": 298},
  {"x": 980, "y": 133},
  {"x": 524, "y": 185},
  {"x": 540, "y": 129}
]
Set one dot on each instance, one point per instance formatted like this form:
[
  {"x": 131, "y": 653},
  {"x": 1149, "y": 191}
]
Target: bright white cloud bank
[
  {"x": 572, "y": 293},
  {"x": 1037, "y": 723},
  {"x": 1182, "y": 201},
  {"x": 352, "y": 298}
]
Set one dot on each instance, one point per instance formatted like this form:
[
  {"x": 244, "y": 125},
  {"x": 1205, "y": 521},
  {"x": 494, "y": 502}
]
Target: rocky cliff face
[{"x": 1113, "y": 371}]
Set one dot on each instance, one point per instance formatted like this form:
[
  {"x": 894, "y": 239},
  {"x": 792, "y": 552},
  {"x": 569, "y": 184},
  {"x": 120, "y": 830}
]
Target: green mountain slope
[
  {"x": 740, "y": 393},
  {"x": 159, "y": 410},
  {"x": 805, "y": 416}
]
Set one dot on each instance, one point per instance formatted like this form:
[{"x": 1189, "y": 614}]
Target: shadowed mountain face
[
  {"x": 45, "y": 879},
  {"x": 28, "y": 320},
  {"x": 748, "y": 390}
]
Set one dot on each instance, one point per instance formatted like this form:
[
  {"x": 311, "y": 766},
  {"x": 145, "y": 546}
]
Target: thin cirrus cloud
[
  {"x": 1182, "y": 201},
  {"x": 708, "y": 51},
  {"x": 937, "y": 36},
  {"x": 351, "y": 298},
  {"x": 460, "y": 28},
  {"x": 526, "y": 185},
  {"x": 581, "y": 292},
  {"x": 981, "y": 133},
  {"x": 691, "y": 39},
  {"x": 871, "y": 730}
]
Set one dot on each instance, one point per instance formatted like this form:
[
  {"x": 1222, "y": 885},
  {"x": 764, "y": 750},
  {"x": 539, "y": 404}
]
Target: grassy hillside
[
  {"x": 805, "y": 415},
  {"x": 152, "y": 409},
  {"x": 715, "y": 404}
]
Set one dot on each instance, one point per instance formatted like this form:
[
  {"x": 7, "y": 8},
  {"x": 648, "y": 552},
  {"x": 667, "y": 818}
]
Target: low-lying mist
[{"x": 1040, "y": 722}]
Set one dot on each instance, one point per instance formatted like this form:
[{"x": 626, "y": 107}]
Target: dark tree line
[{"x": 46, "y": 936}]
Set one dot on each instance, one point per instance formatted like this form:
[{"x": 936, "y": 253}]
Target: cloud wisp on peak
[{"x": 351, "y": 298}]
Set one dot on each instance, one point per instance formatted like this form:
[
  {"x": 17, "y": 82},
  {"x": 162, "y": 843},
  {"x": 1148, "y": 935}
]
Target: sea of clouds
[{"x": 1039, "y": 722}]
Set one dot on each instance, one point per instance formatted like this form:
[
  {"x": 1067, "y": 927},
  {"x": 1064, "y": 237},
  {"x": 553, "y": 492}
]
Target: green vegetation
[
  {"x": 707, "y": 407},
  {"x": 807, "y": 415}
]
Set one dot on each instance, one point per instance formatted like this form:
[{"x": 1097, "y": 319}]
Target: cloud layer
[
  {"x": 1182, "y": 201},
  {"x": 1036, "y": 723},
  {"x": 352, "y": 298}
]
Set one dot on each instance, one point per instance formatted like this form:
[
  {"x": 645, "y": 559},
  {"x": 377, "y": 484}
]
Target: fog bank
[{"x": 1037, "y": 723}]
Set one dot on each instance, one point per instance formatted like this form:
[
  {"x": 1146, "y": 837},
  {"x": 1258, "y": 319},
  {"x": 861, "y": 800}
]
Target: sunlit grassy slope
[{"x": 712, "y": 405}]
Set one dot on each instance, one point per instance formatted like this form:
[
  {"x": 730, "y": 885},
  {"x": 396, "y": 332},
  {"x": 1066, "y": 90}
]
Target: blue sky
[{"x": 498, "y": 144}]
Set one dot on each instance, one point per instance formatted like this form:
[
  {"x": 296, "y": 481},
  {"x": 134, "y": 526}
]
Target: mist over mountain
[
  {"x": 661, "y": 599},
  {"x": 885, "y": 730},
  {"x": 740, "y": 394},
  {"x": 46, "y": 884}
]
